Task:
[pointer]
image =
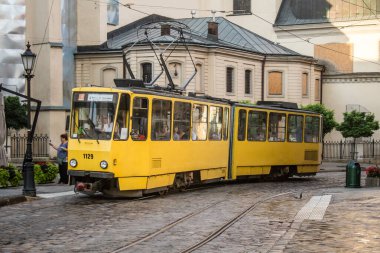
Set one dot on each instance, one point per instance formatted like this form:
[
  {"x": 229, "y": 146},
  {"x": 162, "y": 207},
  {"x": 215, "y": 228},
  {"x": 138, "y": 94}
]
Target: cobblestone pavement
[{"x": 83, "y": 224}]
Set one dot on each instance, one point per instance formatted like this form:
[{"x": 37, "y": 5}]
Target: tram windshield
[{"x": 93, "y": 115}]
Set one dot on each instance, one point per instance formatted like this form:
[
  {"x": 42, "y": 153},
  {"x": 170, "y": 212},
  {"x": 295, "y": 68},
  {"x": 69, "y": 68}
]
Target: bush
[
  {"x": 15, "y": 175},
  {"x": 4, "y": 177},
  {"x": 45, "y": 172}
]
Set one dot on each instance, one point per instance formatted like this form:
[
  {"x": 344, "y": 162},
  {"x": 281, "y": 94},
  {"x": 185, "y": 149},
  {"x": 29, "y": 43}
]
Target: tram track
[
  {"x": 167, "y": 227},
  {"x": 220, "y": 230}
]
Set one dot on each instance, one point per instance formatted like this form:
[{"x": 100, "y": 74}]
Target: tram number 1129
[{"x": 88, "y": 156}]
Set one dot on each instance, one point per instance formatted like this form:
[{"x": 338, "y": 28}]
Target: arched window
[
  {"x": 108, "y": 76},
  {"x": 146, "y": 72},
  {"x": 199, "y": 85},
  {"x": 175, "y": 69}
]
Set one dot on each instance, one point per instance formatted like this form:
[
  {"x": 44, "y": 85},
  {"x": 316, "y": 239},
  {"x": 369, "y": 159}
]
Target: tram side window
[
  {"x": 277, "y": 126},
  {"x": 295, "y": 128},
  {"x": 215, "y": 123},
  {"x": 140, "y": 119},
  {"x": 312, "y": 129},
  {"x": 257, "y": 126},
  {"x": 122, "y": 119},
  {"x": 225, "y": 123},
  {"x": 199, "y": 130},
  {"x": 241, "y": 125},
  {"x": 161, "y": 119},
  {"x": 182, "y": 117}
]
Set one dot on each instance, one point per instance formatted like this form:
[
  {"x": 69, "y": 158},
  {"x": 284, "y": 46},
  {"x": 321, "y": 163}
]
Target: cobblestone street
[{"x": 82, "y": 224}]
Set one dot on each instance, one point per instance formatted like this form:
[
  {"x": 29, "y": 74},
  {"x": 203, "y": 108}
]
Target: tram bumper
[{"x": 91, "y": 174}]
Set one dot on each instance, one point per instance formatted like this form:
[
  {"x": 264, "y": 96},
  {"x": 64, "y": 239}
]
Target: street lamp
[{"x": 28, "y": 59}]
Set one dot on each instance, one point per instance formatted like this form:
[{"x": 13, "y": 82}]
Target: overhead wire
[
  {"x": 285, "y": 30},
  {"x": 43, "y": 38}
]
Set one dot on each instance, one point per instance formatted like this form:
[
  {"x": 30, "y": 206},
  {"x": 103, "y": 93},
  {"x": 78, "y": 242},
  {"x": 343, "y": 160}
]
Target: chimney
[
  {"x": 212, "y": 31},
  {"x": 165, "y": 29}
]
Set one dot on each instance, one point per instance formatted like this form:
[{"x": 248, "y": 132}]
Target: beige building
[{"x": 235, "y": 64}]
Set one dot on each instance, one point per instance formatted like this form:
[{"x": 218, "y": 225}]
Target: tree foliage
[
  {"x": 358, "y": 124},
  {"x": 15, "y": 113},
  {"x": 329, "y": 122}
]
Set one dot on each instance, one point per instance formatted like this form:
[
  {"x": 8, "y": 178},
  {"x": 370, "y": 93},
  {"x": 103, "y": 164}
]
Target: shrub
[
  {"x": 4, "y": 177},
  {"x": 15, "y": 175},
  {"x": 51, "y": 172},
  {"x": 45, "y": 172},
  {"x": 39, "y": 176}
]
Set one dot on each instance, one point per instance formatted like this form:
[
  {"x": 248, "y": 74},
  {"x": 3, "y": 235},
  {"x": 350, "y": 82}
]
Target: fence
[
  {"x": 344, "y": 150},
  {"x": 18, "y": 142}
]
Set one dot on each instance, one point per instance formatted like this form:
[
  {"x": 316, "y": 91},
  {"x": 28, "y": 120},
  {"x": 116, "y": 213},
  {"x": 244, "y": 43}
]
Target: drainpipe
[
  {"x": 262, "y": 77},
  {"x": 124, "y": 66},
  {"x": 321, "y": 88}
]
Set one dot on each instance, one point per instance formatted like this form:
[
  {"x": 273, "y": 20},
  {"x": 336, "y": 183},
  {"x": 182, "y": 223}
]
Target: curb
[{"x": 4, "y": 201}]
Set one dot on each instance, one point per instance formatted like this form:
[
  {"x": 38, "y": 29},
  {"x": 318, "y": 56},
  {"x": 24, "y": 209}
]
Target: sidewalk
[{"x": 13, "y": 195}]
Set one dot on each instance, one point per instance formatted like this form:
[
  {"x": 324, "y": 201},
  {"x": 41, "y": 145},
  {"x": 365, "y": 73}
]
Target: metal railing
[
  {"x": 40, "y": 146},
  {"x": 344, "y": 150}
]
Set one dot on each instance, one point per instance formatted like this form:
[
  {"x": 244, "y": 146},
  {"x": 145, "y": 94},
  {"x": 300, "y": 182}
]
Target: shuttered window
[
  {"x": 229, "y": 79},
  {"x": 317, "y": 89},
  {"x": 275, "y": 85},
  {"x": 305, "y": 84}
]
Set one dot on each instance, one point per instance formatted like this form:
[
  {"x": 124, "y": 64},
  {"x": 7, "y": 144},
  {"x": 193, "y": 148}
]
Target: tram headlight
[
  {"x": 103, "y": 164},
  {"x": 73, "y": 163}
]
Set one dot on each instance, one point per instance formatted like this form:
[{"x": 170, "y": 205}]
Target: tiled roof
[
  {"x": 230, "y": 35},
  {"x": 299, "y": 12}
]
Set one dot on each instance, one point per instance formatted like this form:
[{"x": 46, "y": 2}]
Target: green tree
[
  {"x": 15, "y": 113},
  {"x": 358, "y": 124},
  {"x": 329, "y": 122}
]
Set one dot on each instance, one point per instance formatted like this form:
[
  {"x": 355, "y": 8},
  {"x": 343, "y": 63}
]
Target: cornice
[{"x": 370, "y": 77}]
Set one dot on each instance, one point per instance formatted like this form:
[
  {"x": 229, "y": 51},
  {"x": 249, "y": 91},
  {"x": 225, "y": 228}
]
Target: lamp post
[{"x": 28, "y": 59}]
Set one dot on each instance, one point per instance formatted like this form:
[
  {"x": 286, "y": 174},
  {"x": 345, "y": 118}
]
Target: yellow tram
[{"x": 135, "y": 141}]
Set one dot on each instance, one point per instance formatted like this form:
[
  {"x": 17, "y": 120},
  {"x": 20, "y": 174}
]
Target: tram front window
[{"x": 93, "y": 115}]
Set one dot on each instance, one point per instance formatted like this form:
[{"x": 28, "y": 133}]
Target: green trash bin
[{"x": 353, "y": 174}]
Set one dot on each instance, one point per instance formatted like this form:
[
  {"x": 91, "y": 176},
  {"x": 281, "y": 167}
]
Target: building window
[
  {"x": 241, "y": 125},
  {"x": 277, "y": 126},
  {"x": 112, "y": 12},
  {"x": 229, "y": 79},
  {"x": 295, "y": 128},
  {"x": 146, "y": 72},
  {"x": 139, "y": 119},
  {"x": 181, "y": 125},
  {"x": 257, "y": 126},
  {"x": 242, "y": 7},
  {"x": 248, "y": 82},
  {"x": 275, "y": 85},
  {"x": 305, "y": 84},
  {"x": 109, "y": 74},
  {"x": 175, "y": 69},
  {"x": 199, "y": 87},
  {"x": 215, "y": 123},
  {"x": 199, "y": 131},
  {"x": 317, "y": 88}
]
